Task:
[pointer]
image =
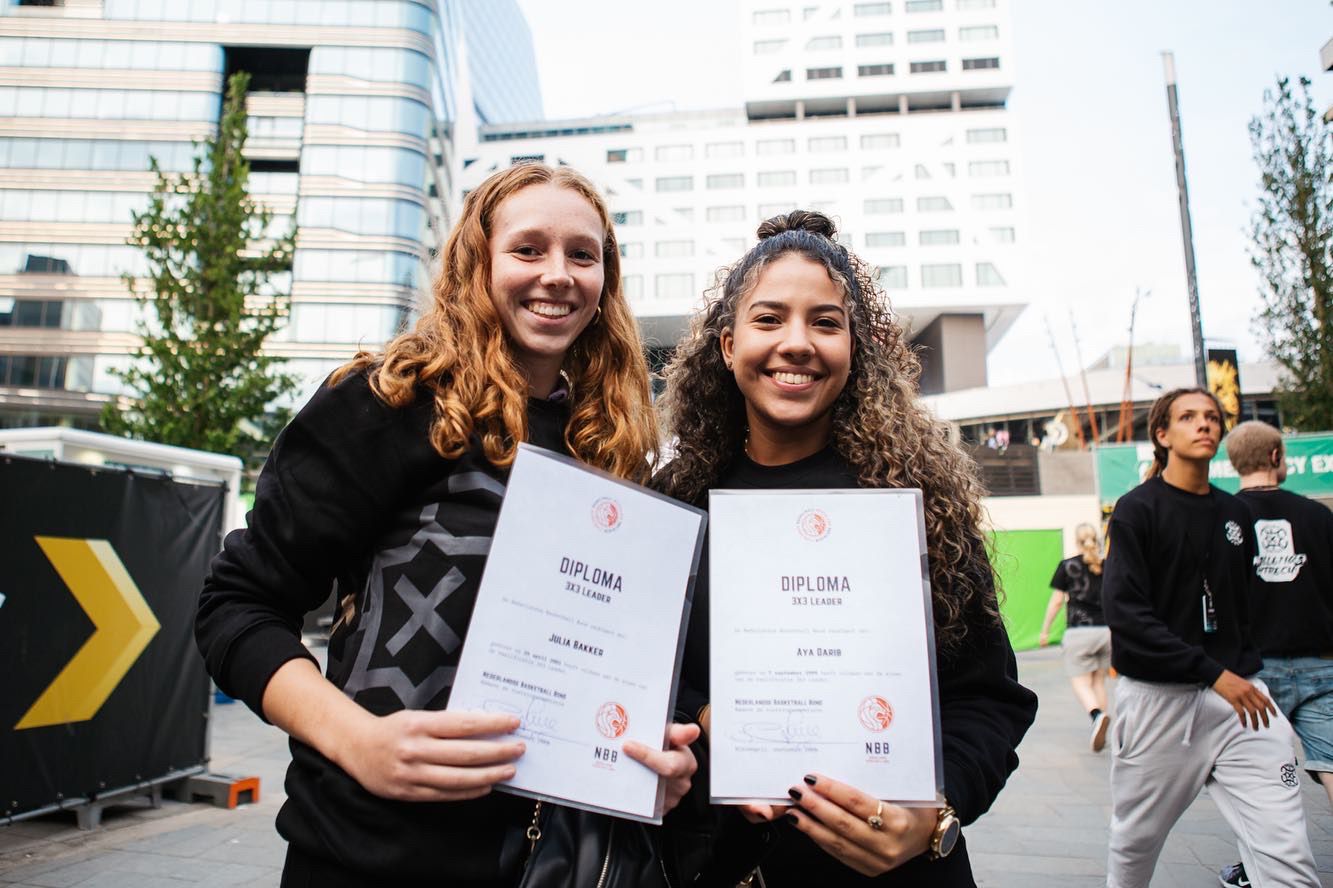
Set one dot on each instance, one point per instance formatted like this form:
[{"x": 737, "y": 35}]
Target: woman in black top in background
[{"x": 796, "y": 375}]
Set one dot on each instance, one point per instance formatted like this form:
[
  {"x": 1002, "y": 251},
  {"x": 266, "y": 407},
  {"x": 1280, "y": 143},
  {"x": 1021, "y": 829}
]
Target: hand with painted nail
[
  {"x": 837, "y": 817},
  {"x": 420, "y": 756},
  {"x": 677, "y": 764}
]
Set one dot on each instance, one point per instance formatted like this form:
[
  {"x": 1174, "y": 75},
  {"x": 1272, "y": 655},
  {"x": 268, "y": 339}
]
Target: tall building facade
[
  {"x": 501, "y": 65},
  {"x": 353, "y": 106},
  {"x": 890, "y": 116}
]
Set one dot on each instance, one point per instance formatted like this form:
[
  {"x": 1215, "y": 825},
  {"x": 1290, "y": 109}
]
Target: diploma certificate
[
  {"x": 578, "y": 630},
  {"x": 822, "y": 653}
]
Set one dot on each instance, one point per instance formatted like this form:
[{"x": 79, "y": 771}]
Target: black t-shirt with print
[
  {"x": 1084, "y": 588},
  {"x": 1291, "y": 586}
]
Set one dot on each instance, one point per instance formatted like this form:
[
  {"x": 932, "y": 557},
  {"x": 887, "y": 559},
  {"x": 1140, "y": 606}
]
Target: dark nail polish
[
  {"x": 809, "y": 778},
  {"x": 791, "y": 818},
  {"x": 794, "y": 793}
]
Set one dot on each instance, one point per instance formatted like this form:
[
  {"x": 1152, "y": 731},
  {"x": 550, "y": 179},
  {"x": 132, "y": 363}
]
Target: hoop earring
[{"x": 596, "y": 317}]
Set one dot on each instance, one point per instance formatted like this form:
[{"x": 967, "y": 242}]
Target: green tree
[
  {"x": 1292, "y": 232},
  {"x": 201, "y": 378}
]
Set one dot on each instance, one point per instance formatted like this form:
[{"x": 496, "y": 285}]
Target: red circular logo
[
  {"x": 606, "y": 514},
  {"x": 875, "y": 714},
  {"x": 813, "y": 525},
  {"x": 612, "y": 720}
]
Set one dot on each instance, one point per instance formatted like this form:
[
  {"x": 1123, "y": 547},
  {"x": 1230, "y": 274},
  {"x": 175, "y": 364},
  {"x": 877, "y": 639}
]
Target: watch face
[{"x": 952, "y": 830}]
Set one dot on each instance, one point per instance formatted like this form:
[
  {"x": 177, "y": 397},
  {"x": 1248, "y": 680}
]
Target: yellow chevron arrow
[{"x": 124, "y": 624}]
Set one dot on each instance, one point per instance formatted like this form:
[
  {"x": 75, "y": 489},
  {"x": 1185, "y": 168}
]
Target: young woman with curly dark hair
[{"x": 796, "y": 375}]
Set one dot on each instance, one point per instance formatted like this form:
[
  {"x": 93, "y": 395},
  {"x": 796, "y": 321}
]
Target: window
[
  {"x": 631, "y": 250},
  {"x": 866, "y": 10},
  {"x": 830, "y": 176},
  {"x": 616, "y": 155},
  {"x": 633, "y": 284},
  {"x": 830, "y": 73},
  {"x": 924, "y": 5},
  {"x": 939, "y": 237},
  {"x": 830, "y": 42},
  {"x": 883, "y": 38},
  {"x": 768, "y": 47},
  {"x": 769, "y": 210},
  {"x": 992, "y": 201},
  {"x": 980, "y": 168},
  {"x": 1002, "y": 235},
  {"x": 685, "y": 213},
  {"x": 827, "y": 143},
  {"x": 988, "y": 275},
  {"x": 885, "y": 239},
  {"x": 771, "y": 16},
  {"x": 880, "y": 205},
  {"x": 989, "y": 134},
  {"x": 776, "y": 178},
  {"x": 725, "y": 180},
  {"x": 775, "y": 146},
  {"x": 674, "y": 249},
  {"x": 934, "y": 35},
  {"x": 874, "y": 70},
  {"x": 980, "y": 64},
  {"x": 674, "y": 286},
  {"x": 928, "y": 67},
  {"x": 783, "y": 76},
  {"x": 675, "y": 183},
  {"x": 976, "y": 4},
  {"x": 942, "y": 275},
  {"x": 724, "y": 149},
  {"x": 879, "y": 141},
  {"x": 674, "y": 152},
  {"x": 892, "y": 277},
  {"x": 933, "y": 204},
  {"x": 979, "y": 32},
  {"x": 628, "y": 217},
  {"x": 919, "y": 171},
  {"x": 725, "y": 214}
]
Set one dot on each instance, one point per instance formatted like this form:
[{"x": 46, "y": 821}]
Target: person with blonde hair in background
[
  {"x": 1291, "y": 599},
  {"x": 1087, "y": 641}
]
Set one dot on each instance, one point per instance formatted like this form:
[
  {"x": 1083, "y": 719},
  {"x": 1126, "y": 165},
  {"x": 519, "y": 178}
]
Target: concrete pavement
[{"x": 1047, "y": 829}]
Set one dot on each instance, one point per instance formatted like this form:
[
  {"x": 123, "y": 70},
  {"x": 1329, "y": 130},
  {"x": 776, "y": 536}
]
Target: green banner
[
  {"x": 1121, "y": 467},
  {"x": 1024, "y": 562}
]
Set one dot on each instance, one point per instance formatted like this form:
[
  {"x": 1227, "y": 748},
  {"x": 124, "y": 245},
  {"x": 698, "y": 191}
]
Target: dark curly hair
[{"x": 879, "y": 425}]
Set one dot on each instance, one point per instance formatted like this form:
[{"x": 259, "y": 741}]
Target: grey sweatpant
[{"x": 1168, "y": 742}]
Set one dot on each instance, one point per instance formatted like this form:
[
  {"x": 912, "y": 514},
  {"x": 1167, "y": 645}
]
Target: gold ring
[{"x": 876, "y": 822}]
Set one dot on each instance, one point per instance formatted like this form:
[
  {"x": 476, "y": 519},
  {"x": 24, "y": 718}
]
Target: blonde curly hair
[
  {"x": 879, "y": 425},
  {"x": 460, "y": 355}
]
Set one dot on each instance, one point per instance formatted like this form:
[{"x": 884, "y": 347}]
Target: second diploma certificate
[
  {"x": 577, "y": 630},
  {"x": 821, "y": 644}
]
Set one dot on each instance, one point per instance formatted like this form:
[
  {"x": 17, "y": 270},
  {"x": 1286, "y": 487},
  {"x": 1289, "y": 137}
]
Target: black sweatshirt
[
  {"x": 1291, "y": 585},
  {"x": 1084, "y": 588},
  {"x": 984, "y": 711},
  {"x": 353, "y": 492},
  {"x": 1164, "y": 542}
]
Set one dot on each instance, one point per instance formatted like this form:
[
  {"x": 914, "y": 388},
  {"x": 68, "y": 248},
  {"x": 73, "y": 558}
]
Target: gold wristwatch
[{"x": 947, "y": 830}]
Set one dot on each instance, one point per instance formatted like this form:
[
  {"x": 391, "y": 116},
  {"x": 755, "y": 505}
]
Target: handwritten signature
[
  {"x": 538, "y": 715},
  {"x": 796, "y": 728}
]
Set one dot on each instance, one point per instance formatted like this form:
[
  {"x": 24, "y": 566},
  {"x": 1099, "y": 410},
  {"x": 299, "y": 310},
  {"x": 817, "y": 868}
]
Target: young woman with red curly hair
[{"x": 388, "y": 483}]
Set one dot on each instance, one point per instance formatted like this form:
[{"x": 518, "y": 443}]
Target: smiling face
[
  {"x": 546, "y": 275},
  {"x": 1194, "y": 430},
  {"x": 791, "y": 351}
]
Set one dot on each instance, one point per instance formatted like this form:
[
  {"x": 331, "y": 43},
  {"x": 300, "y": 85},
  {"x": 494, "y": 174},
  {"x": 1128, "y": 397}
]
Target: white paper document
[
  {"x": 578, "y": 630},
  {"x": 821, "y": 644}
]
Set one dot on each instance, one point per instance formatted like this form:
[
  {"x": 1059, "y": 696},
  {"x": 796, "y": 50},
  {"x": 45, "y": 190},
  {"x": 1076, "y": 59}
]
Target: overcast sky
[{"x": 1097, "y": 173}]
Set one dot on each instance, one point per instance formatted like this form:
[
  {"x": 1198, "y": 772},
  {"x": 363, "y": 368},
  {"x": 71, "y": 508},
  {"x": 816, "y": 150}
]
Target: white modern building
[{"x": 890, "y": 116}]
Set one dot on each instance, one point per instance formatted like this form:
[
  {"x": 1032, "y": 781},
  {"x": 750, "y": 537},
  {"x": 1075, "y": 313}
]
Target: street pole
[{"x": 1186, "y": 229}]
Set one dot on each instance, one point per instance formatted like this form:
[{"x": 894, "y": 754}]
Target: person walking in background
[
  {"x": 1087, "y": 641},
  {"x": 1291, "y": 599},
  {"x": 1187, "y": 715}
]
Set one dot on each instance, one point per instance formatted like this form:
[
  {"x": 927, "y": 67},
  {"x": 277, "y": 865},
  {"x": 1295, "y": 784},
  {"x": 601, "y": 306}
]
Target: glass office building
[{"x": 351, "y": 103}]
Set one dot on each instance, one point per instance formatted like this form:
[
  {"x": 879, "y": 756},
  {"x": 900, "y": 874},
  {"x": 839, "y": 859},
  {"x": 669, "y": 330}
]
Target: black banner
[
  {"x": 1224, "y": 381},
  {"x": 104, "y": 688}
]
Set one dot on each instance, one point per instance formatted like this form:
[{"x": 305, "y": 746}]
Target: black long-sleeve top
[
  {"x": 1164, "y": 542},
  {"x": 353, "y": 493},
  {"x": 984, "y": 711},
  {"x": 1291, "y": 583}
]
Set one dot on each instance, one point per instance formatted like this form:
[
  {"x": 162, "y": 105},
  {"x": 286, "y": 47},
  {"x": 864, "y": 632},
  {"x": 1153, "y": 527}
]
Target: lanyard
[{"x": 1206, "y": 602}]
